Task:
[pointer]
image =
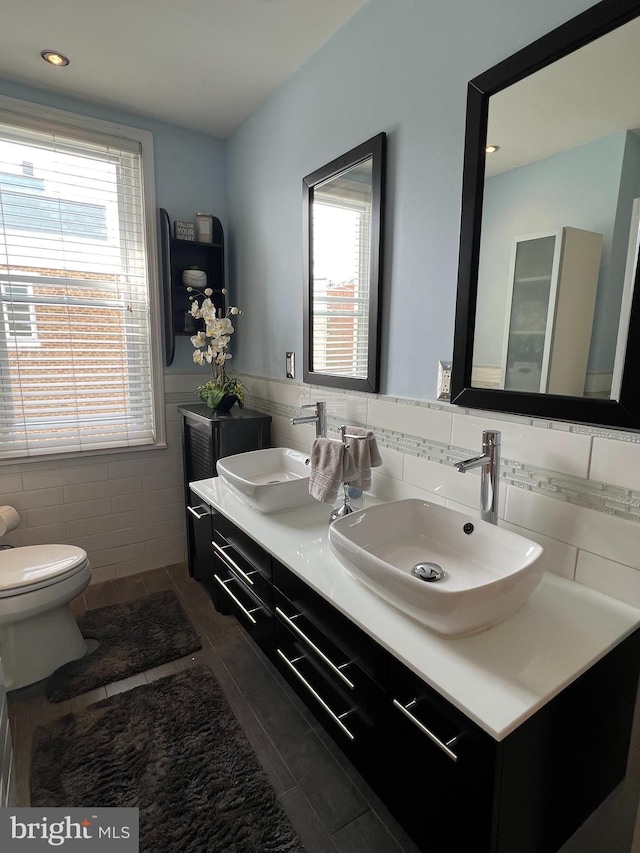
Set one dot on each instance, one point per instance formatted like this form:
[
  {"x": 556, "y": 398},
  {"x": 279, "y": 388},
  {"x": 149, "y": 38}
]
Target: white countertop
[{"x": 499, "y": 678}]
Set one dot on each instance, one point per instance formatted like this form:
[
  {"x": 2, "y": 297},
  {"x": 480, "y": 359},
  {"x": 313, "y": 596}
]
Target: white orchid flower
[
  {"x": 211, "y": 344},
  {"x": 223, "y": 324},
  {"x": 208, "y": 311}
]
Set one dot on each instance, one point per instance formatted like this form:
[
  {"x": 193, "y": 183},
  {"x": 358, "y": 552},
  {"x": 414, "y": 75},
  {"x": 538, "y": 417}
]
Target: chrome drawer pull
[
  {"x": 443, "y": 746},
  {"x": 312, "y": 645},
  {"x": 303, "y": 680},
  {"x": 194, "y": 510},
  {"x": 246, "y": 612},
  {"x": 231, "y": 563}
]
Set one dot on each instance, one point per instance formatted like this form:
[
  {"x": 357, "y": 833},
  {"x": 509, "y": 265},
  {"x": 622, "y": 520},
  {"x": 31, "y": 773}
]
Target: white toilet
[{"x": 38, "y": 634}]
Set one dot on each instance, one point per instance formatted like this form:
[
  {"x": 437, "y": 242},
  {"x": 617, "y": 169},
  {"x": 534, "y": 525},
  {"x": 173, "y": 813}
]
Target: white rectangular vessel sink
[
  {"x": 489, "y": 572},
  {"x": 269, "y": 480}
]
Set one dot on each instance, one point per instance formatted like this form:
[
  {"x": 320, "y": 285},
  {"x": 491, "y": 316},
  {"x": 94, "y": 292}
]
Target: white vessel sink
[
  {"x": 489, "y": 572},
  {"x": 269, "y": 480}
]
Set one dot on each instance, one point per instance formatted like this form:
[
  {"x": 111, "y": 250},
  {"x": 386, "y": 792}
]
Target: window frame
[{"x": 86, "y": 129}]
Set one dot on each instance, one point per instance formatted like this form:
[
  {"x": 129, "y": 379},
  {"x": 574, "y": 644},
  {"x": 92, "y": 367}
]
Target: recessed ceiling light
[
  {"x": 491, "y": 149},
  {"x": 54, "y": 57}
]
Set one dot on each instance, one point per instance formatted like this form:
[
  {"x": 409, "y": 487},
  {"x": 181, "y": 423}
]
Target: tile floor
[{"x": 330, "y": 805}]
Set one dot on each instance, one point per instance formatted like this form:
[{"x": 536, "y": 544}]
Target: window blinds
[
  {"x": 75, "y": 349},
  {"x": 341, "y": 275}
]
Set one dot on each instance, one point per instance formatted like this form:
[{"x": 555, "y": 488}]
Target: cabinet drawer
[
  {"x": 351, "y": 642},
  {"x": 198, "y": 519},
  {"x": 328, "y": 658},
  {"x": 440, "y": 717},
  {"x": 353, "y": 718},
  {"x": 244, "y": 571},
  {"x": 243, "y": 545},
  {"x": 451, "y": 758},
  {"x": 233, "y": 597}
]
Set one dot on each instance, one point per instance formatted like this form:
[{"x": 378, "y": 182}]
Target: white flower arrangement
[{"x": 211, "y": 348}]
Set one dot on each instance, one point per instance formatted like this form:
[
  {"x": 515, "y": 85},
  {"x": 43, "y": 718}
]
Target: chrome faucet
[
  {"x": 489, "y": 461},
  {"x": 319, "y": 418}
]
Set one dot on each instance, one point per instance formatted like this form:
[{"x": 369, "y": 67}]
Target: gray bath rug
[
  {"x": 173, "y": 749},
  {"x": 133, "y": 637}
]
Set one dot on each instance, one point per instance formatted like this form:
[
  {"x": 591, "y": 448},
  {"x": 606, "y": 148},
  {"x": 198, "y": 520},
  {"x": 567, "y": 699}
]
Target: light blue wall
[
  {"x": 577, "y": 188},
  {"x": 190, "y": 173},
  {"x": 399, "y": 66}
]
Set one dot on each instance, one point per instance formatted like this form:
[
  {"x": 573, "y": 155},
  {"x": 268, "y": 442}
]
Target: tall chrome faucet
[
  {"x": 489, "y": 460},
  {"x": 319, "y": 418}
]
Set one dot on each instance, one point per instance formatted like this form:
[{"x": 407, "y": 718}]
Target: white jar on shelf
[
  {"x": 204, "y": 227},
  {"x": 194, "y": 278}
]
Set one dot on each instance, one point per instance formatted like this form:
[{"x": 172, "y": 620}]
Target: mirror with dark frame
[
  {"x": 548, "y": 312},
  {"x": 343, "y": 208}
]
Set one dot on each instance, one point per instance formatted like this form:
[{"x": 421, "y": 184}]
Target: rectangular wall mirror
[
  {"x": 343, "y": 206},
  {"x": 547, "y": 317}
]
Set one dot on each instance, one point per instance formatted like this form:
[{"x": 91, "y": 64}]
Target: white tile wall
[
  {"x": 616, "y": 462},
  {"x": 415, "y": 420},
  {"x": 613, "y": 578},
  {"x": 543, "y": 448},
  {"x": 445, "y": 481},
  {"x": 601, "y": 534},
  {"x": 593, "y": 547},
  {"x": 558, "y": 557},
  {"x": 125, "y": 508}
]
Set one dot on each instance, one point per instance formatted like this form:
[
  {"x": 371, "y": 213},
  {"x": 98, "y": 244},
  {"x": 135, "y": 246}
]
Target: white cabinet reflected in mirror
[
  {"x": 549, "y": 238},
  {"x": 343, "y": 207},
  {"x": 550, "y": 300}
]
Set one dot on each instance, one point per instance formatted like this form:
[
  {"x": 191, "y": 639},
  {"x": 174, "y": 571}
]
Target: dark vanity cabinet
[
  {"x": 337, "y": 669},
  {"x": 444, "y": 768},
  {"x": 240, "y": 580},
  {"x": 207, "y": 437},
  {"x": 198, "y": 535},
  {"x": 449, "y": 783},
  {"x": 176, "y": 257},
  {"x": 456, "y": 788}
]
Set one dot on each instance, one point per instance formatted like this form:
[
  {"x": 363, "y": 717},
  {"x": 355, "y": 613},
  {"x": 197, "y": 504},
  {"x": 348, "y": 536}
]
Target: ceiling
[
  {"x": 200, "y": 64},
  {"x": 584, "y": 96}
]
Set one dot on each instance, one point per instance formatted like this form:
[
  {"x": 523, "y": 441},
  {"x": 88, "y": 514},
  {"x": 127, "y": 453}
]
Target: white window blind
[
  {"x": 75, "y": 333},
  {"x": 341, "y": 276}
]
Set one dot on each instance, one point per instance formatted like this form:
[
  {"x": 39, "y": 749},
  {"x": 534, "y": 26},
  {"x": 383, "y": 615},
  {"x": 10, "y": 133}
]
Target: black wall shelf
[{"x": 177, "y": 256}]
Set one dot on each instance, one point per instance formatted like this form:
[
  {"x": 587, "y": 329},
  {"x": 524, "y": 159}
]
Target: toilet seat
[{"x": 33, "y": 567}]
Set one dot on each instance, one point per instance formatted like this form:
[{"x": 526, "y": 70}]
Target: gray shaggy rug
[
  {"x": 133, "y": 637},
  {"x": 173, "y": 749}
]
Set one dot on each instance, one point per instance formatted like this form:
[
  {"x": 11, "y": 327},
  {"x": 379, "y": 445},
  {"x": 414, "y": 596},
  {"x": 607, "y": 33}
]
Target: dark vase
[{"x": 226, "y": 404}]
